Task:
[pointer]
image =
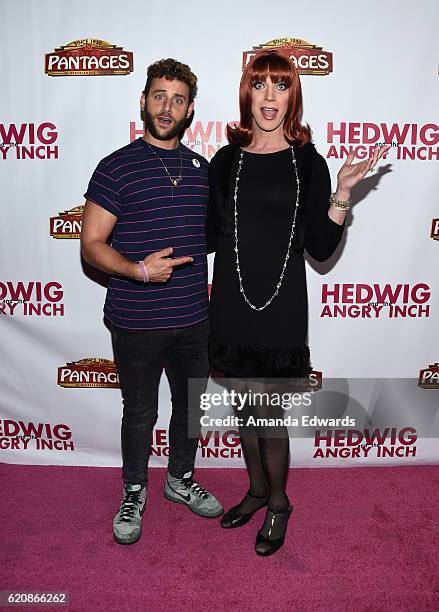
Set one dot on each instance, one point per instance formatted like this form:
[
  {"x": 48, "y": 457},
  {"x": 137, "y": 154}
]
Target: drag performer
[{"x": 270, "y": 201}]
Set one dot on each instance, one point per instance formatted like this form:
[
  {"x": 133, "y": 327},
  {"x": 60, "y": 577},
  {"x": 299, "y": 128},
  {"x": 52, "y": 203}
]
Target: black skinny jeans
[{"x": 141, "y": 357}]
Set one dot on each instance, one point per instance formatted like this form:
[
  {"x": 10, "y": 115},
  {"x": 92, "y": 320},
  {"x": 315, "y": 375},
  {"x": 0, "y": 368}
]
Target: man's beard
[{"x": 176, "y": 128}]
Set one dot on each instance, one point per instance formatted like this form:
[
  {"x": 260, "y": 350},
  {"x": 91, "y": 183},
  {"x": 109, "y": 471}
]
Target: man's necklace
[
  {"x": 174, "y": 180},
  {"x": 287, "y": 256}
]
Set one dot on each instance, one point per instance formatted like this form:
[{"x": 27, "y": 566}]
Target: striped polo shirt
[{"x": 132, "y": 184}]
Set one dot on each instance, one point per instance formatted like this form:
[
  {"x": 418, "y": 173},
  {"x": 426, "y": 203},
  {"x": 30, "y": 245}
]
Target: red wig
[{"x": 279, "y": 68}]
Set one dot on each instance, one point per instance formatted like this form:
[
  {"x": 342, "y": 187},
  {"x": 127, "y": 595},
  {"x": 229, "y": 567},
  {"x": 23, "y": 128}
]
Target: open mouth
[
  {"x": 268, "y": 112},
  {"x": 164, "y": 121}
]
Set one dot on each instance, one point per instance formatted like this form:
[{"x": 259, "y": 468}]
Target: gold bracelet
[{"x": 339, "y": 204}]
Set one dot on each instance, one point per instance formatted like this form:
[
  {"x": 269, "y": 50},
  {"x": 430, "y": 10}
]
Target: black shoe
[
  {"x": 266, "y": 545},
  {"x": 233, "y": 518}
]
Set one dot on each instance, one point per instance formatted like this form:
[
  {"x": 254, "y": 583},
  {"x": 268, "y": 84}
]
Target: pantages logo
[
  {"x": 67, "y": 224},
  {"x": 92, "y": 372},
  {"x": 364, "y": 301},
  {"x": 435, "y": 229},
  {"x": 312, "y": 383},
  {"x": 89, "y": 57},
  {"x": 429, "y": 377},
  {"x": 308, "y": 58}
]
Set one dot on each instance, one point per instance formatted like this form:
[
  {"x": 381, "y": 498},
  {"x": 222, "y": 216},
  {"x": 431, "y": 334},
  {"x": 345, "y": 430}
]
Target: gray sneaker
[
  {"x": 127, "y": 524},
  {"x": 187, "y": 491}
]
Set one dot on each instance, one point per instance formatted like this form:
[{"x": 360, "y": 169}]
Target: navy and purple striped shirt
[{"x": 132, "y": 184}]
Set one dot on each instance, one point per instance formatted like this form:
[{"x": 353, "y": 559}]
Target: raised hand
[
  {"x": 160, "y": 265},
  {"x": 350, "y": 174}
]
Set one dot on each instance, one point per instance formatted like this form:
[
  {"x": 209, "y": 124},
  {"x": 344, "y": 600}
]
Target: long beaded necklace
[
  {"x": 293, "y": 225},
  {"x": 174, "y": 180}
]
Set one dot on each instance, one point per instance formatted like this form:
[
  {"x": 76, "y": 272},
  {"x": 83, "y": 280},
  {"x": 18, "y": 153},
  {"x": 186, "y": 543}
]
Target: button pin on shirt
[{"x": 195, "y": 162}]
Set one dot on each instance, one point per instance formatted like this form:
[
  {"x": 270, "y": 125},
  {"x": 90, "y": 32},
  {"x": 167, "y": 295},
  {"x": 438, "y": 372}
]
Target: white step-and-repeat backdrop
[{"x": 72, "y": 74}]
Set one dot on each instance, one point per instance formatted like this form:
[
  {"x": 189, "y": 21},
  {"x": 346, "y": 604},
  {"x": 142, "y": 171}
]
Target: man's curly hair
[{"x": 171, "y": 69}]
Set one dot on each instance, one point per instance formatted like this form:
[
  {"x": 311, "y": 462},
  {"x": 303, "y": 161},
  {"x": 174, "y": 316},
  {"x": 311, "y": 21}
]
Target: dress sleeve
[
  {"x": 322, "y": 233},
  {"x": 211, "y": 221},
  {"x": 103, "y": 190}
]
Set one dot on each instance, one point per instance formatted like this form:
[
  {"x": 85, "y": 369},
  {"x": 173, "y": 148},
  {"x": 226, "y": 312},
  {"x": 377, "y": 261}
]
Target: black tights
[{"x": 266, "y": 454}]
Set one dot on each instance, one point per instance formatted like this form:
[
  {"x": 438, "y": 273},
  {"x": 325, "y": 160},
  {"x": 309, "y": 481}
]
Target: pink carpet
[{"x": 360, "y": 540}]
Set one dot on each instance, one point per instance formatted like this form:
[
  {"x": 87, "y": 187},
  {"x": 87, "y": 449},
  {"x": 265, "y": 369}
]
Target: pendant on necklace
[{"x": 176, "y": 181}]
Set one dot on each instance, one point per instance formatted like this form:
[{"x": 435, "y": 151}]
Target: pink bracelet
[{"x": 143, "y": 271}]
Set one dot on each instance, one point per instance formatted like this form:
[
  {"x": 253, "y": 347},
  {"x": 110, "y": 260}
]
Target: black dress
[{"x": 271, "y": 342}]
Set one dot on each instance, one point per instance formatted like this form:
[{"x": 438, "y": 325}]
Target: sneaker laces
[
  {"x": 195, "y": 487},
  {"x": 130, "y": 500}
]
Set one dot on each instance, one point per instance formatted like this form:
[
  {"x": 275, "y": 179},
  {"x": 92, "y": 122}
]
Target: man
[{"x": 151, "y": 195}]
